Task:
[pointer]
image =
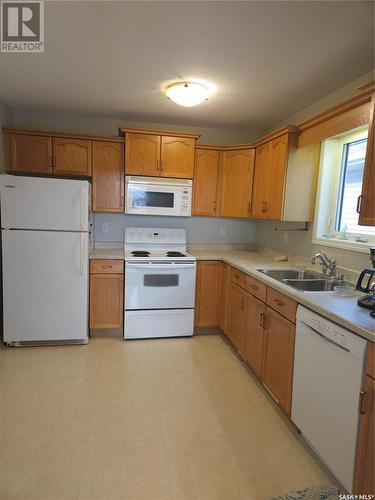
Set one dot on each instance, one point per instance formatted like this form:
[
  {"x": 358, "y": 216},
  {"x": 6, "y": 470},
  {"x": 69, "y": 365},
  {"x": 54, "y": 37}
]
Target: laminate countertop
[
  {"x": 107, "y": 253},
  {"x": 341, "y": 310}
]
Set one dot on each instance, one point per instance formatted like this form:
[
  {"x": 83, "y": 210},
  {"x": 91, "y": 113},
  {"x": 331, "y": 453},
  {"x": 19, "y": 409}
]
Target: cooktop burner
[
  {"x": 175, "y": 254},
  {"x": 140, "y": 253}
]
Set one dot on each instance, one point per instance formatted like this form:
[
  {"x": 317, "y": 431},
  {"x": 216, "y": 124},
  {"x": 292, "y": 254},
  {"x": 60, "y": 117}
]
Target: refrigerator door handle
[
  {"x": 81, "y": 200},
  {"x": 81, "y": 263}
]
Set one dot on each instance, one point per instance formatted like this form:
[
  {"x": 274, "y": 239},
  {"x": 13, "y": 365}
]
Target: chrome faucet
[{"x": 328, "y": 265}]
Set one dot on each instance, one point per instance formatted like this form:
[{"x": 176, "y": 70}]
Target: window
[{"x": 340, "y": 184}]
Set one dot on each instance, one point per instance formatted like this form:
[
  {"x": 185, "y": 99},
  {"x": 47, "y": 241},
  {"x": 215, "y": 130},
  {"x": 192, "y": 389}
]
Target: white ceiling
[{"x": 267, "y": 59}]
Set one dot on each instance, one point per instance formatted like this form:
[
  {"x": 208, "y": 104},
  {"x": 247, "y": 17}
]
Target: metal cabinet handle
[
  {"x": 214, "y": 206},
  {"x": 50, "y": 162},
  {"x": 242, "y": 303},
  {"x": 262, "y": 320},
  {"x": 359, "y": 203},
  {"x": 264, "y": 206},
  {"x": 122, "y": 200},
  {"x": 362, "y": 402}
]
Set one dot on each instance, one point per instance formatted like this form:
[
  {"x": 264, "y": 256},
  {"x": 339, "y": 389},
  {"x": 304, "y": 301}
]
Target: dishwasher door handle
[{"x": 325, "y": 338}]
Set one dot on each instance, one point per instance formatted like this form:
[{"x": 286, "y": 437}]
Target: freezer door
[
  {"x": 45, "y": 286},
  {"x": 50, "y": 204}
]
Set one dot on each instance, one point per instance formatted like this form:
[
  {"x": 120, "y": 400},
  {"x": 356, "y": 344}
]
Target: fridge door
[
  {"x": 49, "y": 204},
  {"x": 45, "y": 286}
]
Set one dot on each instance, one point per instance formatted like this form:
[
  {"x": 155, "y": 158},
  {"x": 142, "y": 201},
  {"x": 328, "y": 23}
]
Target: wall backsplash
[
  {"x": 300, "y": 243},
  {"x": 199, "y": 229}
]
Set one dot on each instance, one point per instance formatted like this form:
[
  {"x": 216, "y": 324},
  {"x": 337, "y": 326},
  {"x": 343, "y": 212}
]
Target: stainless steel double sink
[{"x": 306, "y": 281}]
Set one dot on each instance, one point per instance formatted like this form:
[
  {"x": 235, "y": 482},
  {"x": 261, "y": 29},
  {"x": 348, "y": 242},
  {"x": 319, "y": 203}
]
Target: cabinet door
[
  {"x": 107, "y": 176},
  {"x": 177, "y": 157},
  {"x": 205, "y": 182},
  {"x": 106, "y": 300},
  {"x": 261, "y": 181},
  {"x": 254, "y": 336},
  {"x": 142, "y": 154},
  {"x": 278, "y": 357},
  {"x": 237, "y": 317},
  {"x": 365, "y": 465},
  {"x": 236, "y": 181},
  {"x": 277, "y": 171},
  {"x": 29, "y": 153},
  {"x": 72, "y": 156},
  {"x": 207, "y": 293},
  {"x": 224, "y": 297},
  {"x": 366, "y": 202}
]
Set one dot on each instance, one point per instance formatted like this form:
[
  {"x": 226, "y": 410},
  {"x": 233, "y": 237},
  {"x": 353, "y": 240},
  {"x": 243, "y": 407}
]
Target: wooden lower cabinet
[
  {"x": 278, "y": 357},
  {"x": 237, "y": 317},
  {"x": 254, "y": 332},
  {"x": 364, "y": 483},
  {"x": 106, "y": 294},
  {"x": 207, "y": 293},
  {"x": 224, "y": 297}
]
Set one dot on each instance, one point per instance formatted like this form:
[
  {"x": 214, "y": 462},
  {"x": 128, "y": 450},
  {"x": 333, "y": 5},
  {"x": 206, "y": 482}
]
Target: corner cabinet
[
  {"x": 107, "y": 176},
  {"x": 206, "y": 173},
  {"x": 106, "y": 293},
  {"x": 159, "y": 153},
  {"x": 235, "y": 183},
  {"x": 285, "y": 178}
]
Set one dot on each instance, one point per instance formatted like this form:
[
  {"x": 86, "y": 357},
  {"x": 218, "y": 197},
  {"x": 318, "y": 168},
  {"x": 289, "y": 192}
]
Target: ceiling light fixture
[{"x": 187, "y": 94}]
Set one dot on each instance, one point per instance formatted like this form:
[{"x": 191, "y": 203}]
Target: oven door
[
  {"x": 158, "y": 199},
  {"x": 159, "y": 286}
]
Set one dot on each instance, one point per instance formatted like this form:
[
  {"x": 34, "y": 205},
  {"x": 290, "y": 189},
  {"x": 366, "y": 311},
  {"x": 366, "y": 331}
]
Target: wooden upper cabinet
[
  {"x": 285, "y": 179},
  {"x": 236, "y": 181},
  {"x": 142, "y": 154},
  {"x": 278, "y": 357},
  {"x": 72, "y": 156},
  {"x": 107, "y": 176},
  {"x": 177, "y": 157},
  {"x": 261, "y": 180},
  {"x": 28, "y": 153},
  {"x": 366, "y": 202},
  {"x": 205, "y": 182}
]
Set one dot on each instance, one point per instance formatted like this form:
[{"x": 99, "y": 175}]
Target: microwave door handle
[{"x": 159, "y": 266}]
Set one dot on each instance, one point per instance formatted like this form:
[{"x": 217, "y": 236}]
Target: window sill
[{"x": 353, "y": 246}]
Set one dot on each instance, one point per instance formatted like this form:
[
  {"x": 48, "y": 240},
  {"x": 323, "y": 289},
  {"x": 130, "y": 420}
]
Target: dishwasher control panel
[{"x": 329, "y": 330}]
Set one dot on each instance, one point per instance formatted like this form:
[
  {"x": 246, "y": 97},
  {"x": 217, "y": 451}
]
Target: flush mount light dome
[{"x": 187, "y": 94}]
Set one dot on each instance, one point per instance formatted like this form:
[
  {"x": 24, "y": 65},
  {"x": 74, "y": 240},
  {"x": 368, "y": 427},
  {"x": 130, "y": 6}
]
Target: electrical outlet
[
  {"x": 223, "y": 231},
  {"x": 285, "y": 239},
  {"x": 105, "y": 227}
]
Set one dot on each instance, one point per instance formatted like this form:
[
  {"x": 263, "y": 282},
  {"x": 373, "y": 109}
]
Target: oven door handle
[{"x": 159, "y": 266}]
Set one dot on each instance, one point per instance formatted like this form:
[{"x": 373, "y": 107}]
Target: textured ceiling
[{"x": 266, "y": 59}]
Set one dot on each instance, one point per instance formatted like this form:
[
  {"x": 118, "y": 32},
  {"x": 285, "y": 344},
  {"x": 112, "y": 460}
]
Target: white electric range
[{"x": 159, "y": 283}]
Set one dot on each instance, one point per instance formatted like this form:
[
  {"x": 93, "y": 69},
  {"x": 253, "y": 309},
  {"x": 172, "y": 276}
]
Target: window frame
[{"x": 326, "y": 208}]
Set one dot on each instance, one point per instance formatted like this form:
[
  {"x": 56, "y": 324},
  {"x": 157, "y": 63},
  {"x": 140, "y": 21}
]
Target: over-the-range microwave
[{"x": 158, "y": 196}]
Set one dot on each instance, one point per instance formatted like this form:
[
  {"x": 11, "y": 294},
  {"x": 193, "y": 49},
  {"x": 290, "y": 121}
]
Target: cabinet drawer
[
  {"x": 256, "y": 288},
  {"x": 238, "y": 277},
  {"x": 370, "y": 360},
  {"x": 282, "y": 304},
  {"x": 106, "y": 266}
]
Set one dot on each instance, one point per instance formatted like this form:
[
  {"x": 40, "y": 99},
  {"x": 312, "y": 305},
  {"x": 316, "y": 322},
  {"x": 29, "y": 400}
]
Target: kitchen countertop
[
  {"x": 341, "y": 310},
  {"x": 107, "y": 253}
]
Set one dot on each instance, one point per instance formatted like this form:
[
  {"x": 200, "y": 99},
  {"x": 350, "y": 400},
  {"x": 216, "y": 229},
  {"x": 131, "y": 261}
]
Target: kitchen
[{"x": 181, "y": 266}]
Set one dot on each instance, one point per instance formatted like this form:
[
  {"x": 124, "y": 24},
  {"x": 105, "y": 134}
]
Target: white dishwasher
[{"x": 328, "y": 374}]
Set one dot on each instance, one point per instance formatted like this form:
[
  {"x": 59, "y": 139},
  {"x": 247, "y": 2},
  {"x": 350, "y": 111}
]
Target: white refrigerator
[{"x": 45, "y": 246}]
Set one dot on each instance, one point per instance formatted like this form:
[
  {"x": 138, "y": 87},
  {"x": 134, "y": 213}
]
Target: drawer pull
[
  {"x": 279, "y": 302},
  {"x": 254, "y": 287},
  {"x": 262, "y": 320}
]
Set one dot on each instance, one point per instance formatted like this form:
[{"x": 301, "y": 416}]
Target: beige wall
[
  {"x": 71, "y": 123},
  {"x": 300, "y": 243}
]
